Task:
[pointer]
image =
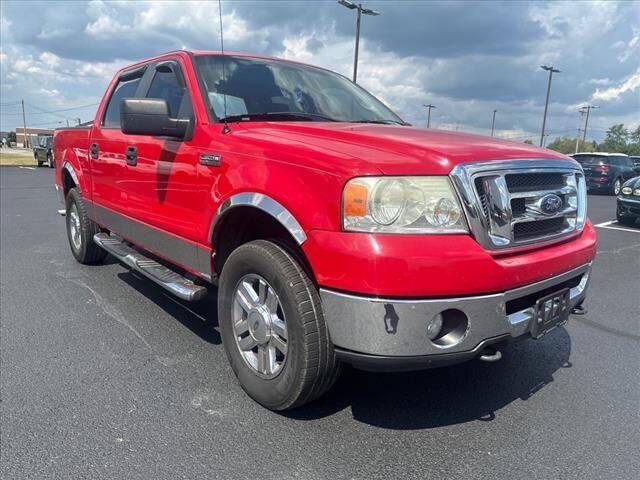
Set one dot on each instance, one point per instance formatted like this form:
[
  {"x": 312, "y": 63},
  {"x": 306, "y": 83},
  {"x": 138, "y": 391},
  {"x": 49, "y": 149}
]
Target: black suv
[
  {"x": 606, "y": 172},
  {"x": 43, "y": 152}
]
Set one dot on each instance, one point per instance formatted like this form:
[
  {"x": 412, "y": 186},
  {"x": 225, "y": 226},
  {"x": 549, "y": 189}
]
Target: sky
[{"x": 466, "y": 58}]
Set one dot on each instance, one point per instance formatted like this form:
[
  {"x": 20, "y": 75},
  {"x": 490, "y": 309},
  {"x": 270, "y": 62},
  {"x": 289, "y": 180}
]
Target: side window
[
  {"x": 165, "y": 85},
  {"x": 124, "y": 89}
]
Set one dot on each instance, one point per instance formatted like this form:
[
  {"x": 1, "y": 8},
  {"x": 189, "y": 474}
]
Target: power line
[{"x": 52, "y": 112}]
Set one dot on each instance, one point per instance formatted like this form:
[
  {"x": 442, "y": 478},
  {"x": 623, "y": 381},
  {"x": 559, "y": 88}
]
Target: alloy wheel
[
  {"x": 74, "y": 227},
  {"x": 259, "y": 326}
]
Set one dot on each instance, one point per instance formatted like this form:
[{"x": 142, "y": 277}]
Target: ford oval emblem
[{"x": 550, "y": 204}]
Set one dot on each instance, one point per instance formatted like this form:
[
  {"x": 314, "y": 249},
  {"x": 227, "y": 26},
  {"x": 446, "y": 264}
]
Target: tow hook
[
  {"x": 579, "y": 310},
  {"x": 490, "y": 355}
]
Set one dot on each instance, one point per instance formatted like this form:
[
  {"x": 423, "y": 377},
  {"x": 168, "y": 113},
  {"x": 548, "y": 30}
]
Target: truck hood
[{"x": 391, "y": 149}]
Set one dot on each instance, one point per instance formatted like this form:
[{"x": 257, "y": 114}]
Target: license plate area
[{"x": 551, "y": 311}]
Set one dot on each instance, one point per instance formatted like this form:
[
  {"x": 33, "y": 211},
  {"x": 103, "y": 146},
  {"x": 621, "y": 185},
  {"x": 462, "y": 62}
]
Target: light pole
[
  {"x": 586, "y": 109},
  {"x": 361, "y": 10},
  {"x": 493, "y": 122},
  {"x": 551, "y": 71},
  {"x": 429, "y": 107}
]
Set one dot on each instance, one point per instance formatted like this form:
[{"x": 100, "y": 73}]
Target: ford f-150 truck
[{"x": 334, "y": 231}]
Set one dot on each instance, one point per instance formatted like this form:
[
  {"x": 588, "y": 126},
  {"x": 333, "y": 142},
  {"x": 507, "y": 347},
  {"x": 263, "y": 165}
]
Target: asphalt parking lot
[{"x": 103, "y": 375}]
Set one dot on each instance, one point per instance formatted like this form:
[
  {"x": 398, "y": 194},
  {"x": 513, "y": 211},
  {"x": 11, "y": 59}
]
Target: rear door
[{"x": 111, "y": 184}]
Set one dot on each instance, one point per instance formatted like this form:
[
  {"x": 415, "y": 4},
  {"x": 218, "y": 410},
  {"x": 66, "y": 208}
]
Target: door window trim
[{"x": 125, "y": 76}]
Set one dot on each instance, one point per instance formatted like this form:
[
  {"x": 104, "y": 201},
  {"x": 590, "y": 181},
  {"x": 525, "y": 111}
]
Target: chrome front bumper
[{"x": 398, "y": 328}]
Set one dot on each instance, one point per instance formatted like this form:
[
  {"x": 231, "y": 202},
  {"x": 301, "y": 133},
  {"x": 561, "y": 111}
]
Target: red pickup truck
[{"x": 334, "y": 231}]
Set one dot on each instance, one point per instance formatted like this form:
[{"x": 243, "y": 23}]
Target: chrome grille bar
[{"x": 547, "y": 195}]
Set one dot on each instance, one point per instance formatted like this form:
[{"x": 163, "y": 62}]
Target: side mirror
[{"x": 150, "y": 116}]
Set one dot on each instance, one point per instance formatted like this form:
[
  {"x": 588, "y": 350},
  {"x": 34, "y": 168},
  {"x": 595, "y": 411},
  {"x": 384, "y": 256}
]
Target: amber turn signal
[{"x": 355, "y": 200}]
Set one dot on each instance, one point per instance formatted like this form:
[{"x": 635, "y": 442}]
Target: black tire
[
  {"x": 311, "y": 367},
  {"x": 86, "y": 251},
  {"x": 627, "y": 221},
  {"x": 616, "y": 186},
  {"x": 50, "y": 161},
  {"x": 38, "y": 162}
]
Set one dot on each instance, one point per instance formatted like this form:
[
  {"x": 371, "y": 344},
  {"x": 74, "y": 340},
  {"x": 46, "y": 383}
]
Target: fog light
[{"x": 434, "y": 327}]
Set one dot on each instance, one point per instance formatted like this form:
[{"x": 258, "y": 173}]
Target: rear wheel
[
  {"x": 81, "y": 229},
  {"x": 273, "y": 328},
  {"x": 50, "y": 161},
  {"x": 38, "y": 162}
]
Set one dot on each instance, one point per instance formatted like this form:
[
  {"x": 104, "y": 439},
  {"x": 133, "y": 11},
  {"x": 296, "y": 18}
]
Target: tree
[
  {"x": 11, "y": 137},
  {"x": 616, "y": 139},
  {"x": 528, "y": 142},
  {"x": 567, "y": 145},
  {"x": 633, "y": 147}
]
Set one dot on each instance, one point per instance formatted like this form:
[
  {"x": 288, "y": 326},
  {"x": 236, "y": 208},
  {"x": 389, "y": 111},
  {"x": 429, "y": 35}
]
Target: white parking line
[
  {"x": 610, "y": 226},
  {"x": 28, "y": 168}
]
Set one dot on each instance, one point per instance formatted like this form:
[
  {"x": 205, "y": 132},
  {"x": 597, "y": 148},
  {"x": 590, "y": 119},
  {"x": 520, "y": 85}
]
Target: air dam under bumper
[{"x": 391, "y": 334}]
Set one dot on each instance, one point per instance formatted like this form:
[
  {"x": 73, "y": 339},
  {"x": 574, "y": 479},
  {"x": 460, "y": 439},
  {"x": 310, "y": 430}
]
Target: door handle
[
  {"x": 94, "y": 150},
  {"x": 132, "y": 156}
]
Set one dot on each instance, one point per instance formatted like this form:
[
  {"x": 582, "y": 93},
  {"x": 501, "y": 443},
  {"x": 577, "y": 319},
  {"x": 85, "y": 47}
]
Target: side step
[{"x": 163, "y": 276}]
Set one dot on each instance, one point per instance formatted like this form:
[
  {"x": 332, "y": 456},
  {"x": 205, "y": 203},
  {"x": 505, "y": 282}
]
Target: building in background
[{"x": 33, "y": 136}]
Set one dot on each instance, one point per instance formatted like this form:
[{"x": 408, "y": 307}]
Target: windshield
[{"x": 259, "y": 89}]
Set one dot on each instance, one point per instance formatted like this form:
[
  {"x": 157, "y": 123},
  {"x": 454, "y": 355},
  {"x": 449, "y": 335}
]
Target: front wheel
[
  {"x": 81, "y": 229},
  {"x": 273, "y": 328}
]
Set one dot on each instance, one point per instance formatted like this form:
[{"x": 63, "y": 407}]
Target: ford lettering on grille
[{"x": 550, "y": 204}]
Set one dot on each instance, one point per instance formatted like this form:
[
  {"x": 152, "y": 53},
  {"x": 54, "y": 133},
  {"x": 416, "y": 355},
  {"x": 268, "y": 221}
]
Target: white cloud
[{"x": 631, "y": 84}]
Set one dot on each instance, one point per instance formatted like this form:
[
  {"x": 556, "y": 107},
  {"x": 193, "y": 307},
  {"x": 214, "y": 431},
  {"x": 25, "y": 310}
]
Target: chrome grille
[{"x": 515, "y": 203}]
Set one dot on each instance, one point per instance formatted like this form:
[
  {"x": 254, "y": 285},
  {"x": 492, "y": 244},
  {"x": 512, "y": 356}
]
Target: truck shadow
[
  {"x": 199, "y": 317},
  {"x": 472, "y": 391}
]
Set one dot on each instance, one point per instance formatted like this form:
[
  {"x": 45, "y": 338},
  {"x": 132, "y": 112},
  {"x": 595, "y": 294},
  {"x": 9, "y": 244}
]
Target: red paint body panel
[
  {"x": 304, "y": 166},
  {"x": 424, "y": 266}
]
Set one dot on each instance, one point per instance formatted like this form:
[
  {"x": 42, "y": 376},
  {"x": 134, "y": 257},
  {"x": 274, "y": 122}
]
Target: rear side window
[
  {"x": 165, "y": 85},
  {"x": 586, "y": 159},
  {"x": 124, "y": 89}
]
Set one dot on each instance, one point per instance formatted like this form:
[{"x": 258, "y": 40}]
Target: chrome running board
[{"x": 168, "y": 279}]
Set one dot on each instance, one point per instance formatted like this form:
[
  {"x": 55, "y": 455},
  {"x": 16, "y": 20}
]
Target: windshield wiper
[
  {"x": 247, "y": 117},
  {"x": 381, "y": 122}
]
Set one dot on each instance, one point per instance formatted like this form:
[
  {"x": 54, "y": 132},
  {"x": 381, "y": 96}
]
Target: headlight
[
  {"x": 637, "y": 192},
  {"x": 626, "y": 190},
  {"x": 402, "y": 205}
]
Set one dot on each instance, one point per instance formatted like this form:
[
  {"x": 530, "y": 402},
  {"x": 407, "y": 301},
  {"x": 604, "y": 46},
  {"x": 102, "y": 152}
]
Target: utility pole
[
  {"x": 429, "y": 107},
  {"x": 586, "y": 109},
  {"x": 551, "y": 71},
  {"x": 25, "y": 142},
  {"x": 579, "y": 130},
  {"x": 361, "y": 10},
  {"x": 493, "y": 122}
]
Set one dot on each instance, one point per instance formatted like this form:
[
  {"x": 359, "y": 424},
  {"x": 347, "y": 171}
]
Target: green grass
[{"x": 9, "y": 158}]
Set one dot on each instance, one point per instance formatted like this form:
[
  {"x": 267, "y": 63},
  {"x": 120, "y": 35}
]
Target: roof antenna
[{"x": 226, "y": 128}]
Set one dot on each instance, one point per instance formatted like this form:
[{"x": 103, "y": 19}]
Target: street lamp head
[
  {"x": 348, "y": 4},
  {"x": 550, "y": 68},
  {"x": 368, "y": 11}
]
